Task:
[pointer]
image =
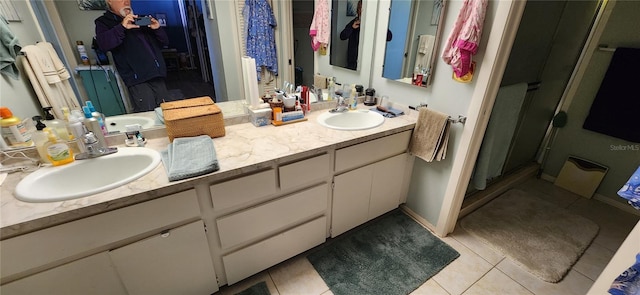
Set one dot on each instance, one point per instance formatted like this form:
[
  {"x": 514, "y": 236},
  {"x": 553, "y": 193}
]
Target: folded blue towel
[
  {"x": 390, "y": 113},
  {"x": 631, "y": 190},
  {"x": 159, "y": 115},
  {"x": 189, "y": 157}
]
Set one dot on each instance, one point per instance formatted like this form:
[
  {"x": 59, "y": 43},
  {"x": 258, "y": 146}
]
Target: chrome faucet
[
  {"x": 341, "y": 107},
  {"x": 94, "y": 148}
]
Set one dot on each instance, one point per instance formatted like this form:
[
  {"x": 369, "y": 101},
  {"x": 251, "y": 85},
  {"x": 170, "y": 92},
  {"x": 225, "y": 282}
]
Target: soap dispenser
[
  {"x": 58, "y": 126},
  {"x": 39, "y": 138},
  {"x": 58, "y": 152}
]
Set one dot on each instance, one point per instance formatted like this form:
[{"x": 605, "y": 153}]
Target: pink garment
[
  {"x": 320, "y": 26},
  {"x": 465, "y": 36}
]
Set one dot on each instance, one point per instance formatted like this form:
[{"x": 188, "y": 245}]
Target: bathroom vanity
[{"x": 280, "y": 191}]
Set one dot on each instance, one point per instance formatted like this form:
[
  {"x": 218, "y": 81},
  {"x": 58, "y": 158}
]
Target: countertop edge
[{"x": 162, "y": 190}]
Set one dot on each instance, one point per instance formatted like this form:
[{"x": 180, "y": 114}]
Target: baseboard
[
  {"x": 622, "y": 206},
  {"x": 548, "y": 177},
  {"x": 418, "y": 219},
  {"x": 604, "y": 199}
]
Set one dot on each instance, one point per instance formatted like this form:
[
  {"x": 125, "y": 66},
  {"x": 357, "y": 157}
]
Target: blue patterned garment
[
  {"x": 631, "y": 190},
  {"x": 260, "y": 26}
]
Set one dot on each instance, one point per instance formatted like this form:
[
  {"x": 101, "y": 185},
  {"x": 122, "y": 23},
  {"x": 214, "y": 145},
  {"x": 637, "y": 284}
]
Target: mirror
[
  {"x": 345, "y": 33},
  {"x": 411, "y": 55},
  {"x": 184, "y": 78}
]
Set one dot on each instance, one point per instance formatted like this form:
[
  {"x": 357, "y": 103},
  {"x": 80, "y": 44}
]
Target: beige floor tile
[
  {"x": 462, "y": 272},
  {"x": 573, "y": 282},
  {"x": 297, "y": 276},
  {"x": 593, "y": 261},
  {"x": 476, "y": 245},
  {"x": 327, "y": 293},
  {"x": 614, "y": 223},
  {"x": 549, "y": 192},
  {"x": 248, "y": 282},
  {"x": 430, "y": 287},
  {"x": 495, "y": 282}
]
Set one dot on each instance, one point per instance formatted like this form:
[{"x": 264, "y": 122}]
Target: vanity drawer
[
  {"x": 243, "y": 190},
  {"x": 259, "y": 221},
  {"x": 253, "y": 259},
  {"x": 372, "y": 151},
  {"x": 305, "y": 171},
  {"x": 67, "y": 241}
]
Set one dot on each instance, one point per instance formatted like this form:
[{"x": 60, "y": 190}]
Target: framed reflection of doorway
[{"x": 189, "y": 71}]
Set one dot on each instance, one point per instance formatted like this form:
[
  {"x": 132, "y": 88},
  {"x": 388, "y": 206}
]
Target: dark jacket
[
  {"x": 352, "y": 47},
  {"x": 136, "y": 52}
]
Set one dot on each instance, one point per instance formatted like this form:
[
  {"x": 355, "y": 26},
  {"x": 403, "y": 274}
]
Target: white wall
[
  {"x": 437, "y": 189},
  {"x": 224, "y": 50},
  {"x": 18, "y": 95},
  {"x": 429, "y": 180}
]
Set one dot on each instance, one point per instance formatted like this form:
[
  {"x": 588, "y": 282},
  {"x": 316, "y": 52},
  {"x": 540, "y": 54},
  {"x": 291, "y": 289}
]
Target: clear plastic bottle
[
  {"x": 14, "y": 132},
  {"x": 58, "y": 126},
  {"x": 40, "y": 137}
]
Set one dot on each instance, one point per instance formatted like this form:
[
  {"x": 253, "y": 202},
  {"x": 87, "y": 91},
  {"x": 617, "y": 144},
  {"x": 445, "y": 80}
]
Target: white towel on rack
[
  {"x": 425, "y": 50},
  {"x": 49, "y": 78}
]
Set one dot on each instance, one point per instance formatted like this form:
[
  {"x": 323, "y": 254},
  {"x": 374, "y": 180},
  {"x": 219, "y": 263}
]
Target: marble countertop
[{"x": 244, "y": 148}]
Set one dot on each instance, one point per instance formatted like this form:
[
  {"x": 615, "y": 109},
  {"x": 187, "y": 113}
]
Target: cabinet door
[
  {"x": 387, "y": 185},
  {"x": 175, "y": 262},
  {"x": 351, "y": 194},
  {"x": 103, "y": 90},
  {"x": 90, "y": 275}
]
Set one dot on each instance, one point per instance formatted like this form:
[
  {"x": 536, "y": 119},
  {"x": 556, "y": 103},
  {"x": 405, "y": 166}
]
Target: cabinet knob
[{"x": 165, "y": 234}]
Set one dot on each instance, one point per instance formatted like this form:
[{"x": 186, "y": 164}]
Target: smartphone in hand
[{"x": 143, "y": 21}]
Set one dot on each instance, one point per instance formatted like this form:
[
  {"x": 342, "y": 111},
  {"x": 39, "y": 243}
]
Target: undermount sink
[
  {"x": 351, "y": 120},
  {"x": 118, "y": 123},
  {"x": 87, "y": 177}
]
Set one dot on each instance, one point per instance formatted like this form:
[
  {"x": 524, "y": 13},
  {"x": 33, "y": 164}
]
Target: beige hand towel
[
  {"x": 430, "y": 135},
  {"x": 441, "y": 154}
]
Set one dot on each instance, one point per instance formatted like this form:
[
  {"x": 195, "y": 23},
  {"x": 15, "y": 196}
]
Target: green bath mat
[
  {"x": 257, "y": 289},
  {"x": 390, "y": 255}
]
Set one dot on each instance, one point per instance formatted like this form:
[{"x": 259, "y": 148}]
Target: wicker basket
[
  {"x": 193, "y": 117},
  {"x": 279, "y": 104}
]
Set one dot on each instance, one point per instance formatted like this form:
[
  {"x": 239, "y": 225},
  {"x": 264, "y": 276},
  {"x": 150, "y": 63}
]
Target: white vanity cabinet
[
  {"x": 90, "y": 275},
  {"x": 267, "y": 217},
  {"x": 171, "y": 262},
  {"x": 369, "y": 189},
  {"x": 94, "y": 255}
]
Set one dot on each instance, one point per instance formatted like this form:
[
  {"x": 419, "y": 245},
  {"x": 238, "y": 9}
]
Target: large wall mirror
[
  {"x": 413, "y": 49},
  {"x": 346, "y": 16},
  {"x": 188, "y": 62}
]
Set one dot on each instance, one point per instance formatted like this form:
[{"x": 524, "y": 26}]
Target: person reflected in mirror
[
  {"x": 137, "y": 53},
  {"x": 352, "y": 32}
]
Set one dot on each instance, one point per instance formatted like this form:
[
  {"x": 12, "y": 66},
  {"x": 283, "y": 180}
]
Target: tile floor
[{"x": 479, "y": 269}]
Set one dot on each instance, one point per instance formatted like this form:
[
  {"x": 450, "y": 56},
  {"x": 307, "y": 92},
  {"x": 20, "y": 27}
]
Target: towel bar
[{"x": 461, "y": 119}]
